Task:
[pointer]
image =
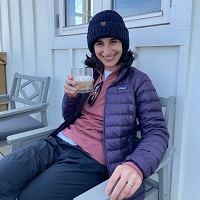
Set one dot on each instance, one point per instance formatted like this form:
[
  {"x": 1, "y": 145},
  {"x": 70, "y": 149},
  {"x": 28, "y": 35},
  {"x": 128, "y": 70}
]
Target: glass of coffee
[{"x": 83, "y": 78}]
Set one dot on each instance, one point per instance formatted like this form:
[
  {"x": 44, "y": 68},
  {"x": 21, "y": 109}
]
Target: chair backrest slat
[
  {"x": 169, "y": 105},
  {"x": 29, "y": 90}
]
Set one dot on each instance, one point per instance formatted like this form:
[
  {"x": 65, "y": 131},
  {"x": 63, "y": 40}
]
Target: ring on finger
[{"x": 130, "y": 183}]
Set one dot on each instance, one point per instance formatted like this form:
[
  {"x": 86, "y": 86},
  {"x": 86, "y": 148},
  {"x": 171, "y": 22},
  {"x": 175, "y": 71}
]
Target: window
[
  {"x": 78, "y": 12},
  {"x": 135, "y": 7},
  {"x": 74, "y": 15}
]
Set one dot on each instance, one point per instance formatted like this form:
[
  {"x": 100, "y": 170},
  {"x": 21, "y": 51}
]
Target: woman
[{"x": 98, "y": 138}]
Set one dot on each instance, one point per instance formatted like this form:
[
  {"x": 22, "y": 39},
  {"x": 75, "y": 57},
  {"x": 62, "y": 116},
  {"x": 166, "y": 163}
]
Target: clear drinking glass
[{"x": 84, "y": 79}]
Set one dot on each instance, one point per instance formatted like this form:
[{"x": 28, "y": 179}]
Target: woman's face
[{"x": 108, "y": 51}]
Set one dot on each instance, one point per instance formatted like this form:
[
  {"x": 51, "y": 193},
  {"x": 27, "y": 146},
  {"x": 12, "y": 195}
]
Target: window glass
[
  {"x": 78, "y": 12},
  {"x": 135, "y": 7}
]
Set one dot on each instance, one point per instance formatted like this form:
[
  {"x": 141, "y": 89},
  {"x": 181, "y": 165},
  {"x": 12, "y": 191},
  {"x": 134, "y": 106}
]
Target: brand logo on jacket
[{"x": 122, "y": 87}]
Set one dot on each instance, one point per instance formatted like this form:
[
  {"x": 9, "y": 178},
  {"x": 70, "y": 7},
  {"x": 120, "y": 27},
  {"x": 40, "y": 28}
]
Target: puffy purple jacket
[{"x": 131, "y": 96}]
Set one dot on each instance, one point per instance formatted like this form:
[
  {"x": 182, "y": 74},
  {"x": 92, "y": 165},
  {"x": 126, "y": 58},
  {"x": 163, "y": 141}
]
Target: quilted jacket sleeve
[
  {"x": 149, "y": 153},
  {"x": 70, "y": 106}
]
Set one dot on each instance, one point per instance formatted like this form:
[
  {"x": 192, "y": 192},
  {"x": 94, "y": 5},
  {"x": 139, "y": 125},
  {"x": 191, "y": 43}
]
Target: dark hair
[{"x": 126, "y": 59}]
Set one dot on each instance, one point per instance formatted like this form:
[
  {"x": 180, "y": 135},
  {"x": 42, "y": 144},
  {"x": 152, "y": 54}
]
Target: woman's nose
[{"x": 107, "y": 49}]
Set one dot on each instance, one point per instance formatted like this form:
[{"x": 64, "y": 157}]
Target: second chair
[{"x": 27, "y": 96}]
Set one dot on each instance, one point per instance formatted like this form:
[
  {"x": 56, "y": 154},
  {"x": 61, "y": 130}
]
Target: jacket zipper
[{"x": 113, "y": 83}]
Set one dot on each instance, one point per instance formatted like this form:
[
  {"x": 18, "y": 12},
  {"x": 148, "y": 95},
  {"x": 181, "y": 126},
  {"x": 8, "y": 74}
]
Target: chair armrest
[
  {"x": 167, "y": 158},
  {"x": 4, "y": 98},
  {"x": 97, "y": 193},
  {"x": 19, "y": 112},
  {"x": 19, "y": 140}
]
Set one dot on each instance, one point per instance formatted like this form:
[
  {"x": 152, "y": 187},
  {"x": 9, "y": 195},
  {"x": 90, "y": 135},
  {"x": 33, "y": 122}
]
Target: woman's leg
[
  {"x": 74, "y": 173},
  {"x": 21, "y": 166}
]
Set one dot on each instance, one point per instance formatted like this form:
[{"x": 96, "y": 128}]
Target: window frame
[
  {"x": 71, "y": 30},
  {"x": 137, "y": 21},
  {"x": 75, "y": 37}
]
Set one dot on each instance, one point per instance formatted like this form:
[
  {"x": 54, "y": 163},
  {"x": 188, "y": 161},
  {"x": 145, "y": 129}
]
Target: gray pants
[{"x": 50, "y": 169}]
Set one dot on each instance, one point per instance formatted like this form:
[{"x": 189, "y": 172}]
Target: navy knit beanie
[{"x": 107, "y": 23}]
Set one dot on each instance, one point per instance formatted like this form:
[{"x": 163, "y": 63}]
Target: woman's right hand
[{"x": 69, "y": 87}]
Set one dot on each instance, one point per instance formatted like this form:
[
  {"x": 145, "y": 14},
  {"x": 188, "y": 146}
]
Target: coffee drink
[
  {"x": 83, "y": 78},
  {"x": 84, "y": 84}
]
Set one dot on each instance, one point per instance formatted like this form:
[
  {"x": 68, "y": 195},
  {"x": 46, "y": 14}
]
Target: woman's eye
[
  {"x": 98, "y": 43},
  {"x": 114, "y": 41}
]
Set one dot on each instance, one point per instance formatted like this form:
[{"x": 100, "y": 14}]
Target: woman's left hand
[{"x": 123, "y": 183}]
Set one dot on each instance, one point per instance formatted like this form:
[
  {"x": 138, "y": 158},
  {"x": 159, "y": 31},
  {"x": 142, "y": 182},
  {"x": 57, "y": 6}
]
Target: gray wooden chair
[
  {"x": 27, "y": 96},
  {"x": 157, "y": 186}
]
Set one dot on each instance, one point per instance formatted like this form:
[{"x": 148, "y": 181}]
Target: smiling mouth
[{"x": 108, "y": 57}]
